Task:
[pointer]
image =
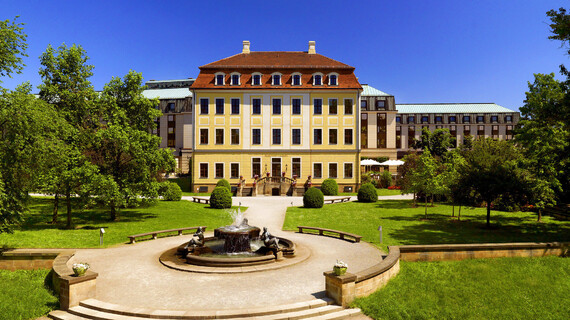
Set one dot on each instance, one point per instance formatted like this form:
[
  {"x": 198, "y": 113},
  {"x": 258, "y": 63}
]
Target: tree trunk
[
  {"x": 113, "y": 212},
  {"x": 539, "y": 214},
  {"x": 459, "y": 214},
  {"x": 426, "y": 201},
  {"x": 68, "y": 204},
  {"x": 488, "y": 214},
  {"x": 432, "y": 200},
  {"x": 55, "y": 209},
  {"x": 453, "y": 209},
  {"x": 414, "y": 203}
]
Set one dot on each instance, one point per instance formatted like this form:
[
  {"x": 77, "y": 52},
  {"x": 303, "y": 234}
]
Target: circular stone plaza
[{"x": 133, "y": 282}]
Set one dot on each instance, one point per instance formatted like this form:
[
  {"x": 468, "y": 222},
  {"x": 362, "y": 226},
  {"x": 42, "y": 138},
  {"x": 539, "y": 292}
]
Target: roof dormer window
[
  {"x": 276, "y": 79},
  {"x": 256, "y": 79},
  {"x": 318, "y": 79},
  {"x": 220, "y": 78},
  {"x": 333, "y": 79},
  {"x": 296, "y": 81},
  {"x": 235, "y": 79}
]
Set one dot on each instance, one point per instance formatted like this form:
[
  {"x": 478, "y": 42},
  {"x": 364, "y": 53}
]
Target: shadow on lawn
[
  {"x": 440, "y": 231},
  {"x": 41, "y": 211}
]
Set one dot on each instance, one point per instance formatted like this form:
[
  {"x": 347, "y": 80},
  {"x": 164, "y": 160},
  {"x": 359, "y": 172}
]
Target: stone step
[
  {"x": 87, "y": 313},
  {"x": 341, "y": 314},
  {"x": 192, "y": 314},
  {"x": 62, "y": 315},
  {"x": 301, "y": 314}
]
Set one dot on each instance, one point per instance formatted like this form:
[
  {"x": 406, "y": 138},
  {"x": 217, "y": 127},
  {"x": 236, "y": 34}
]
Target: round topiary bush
[
  {"x": 172, "y": 192},
  {"x": 221, "y": 198},
  {"x": 329, "y": 187},
  {"x": 367, "y": 193},
  {"x": 224, "y": 183},
  {"x": 313, "y": 198}
]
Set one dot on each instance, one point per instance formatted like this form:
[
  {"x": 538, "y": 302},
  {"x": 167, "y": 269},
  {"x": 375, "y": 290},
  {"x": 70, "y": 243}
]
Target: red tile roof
[
  {"x": 283, "y": 62},
  {"x": 277, "y": 59}
]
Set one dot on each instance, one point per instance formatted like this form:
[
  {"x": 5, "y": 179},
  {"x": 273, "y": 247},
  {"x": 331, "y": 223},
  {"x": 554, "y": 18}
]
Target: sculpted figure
[{"x": 268, "y": 240}]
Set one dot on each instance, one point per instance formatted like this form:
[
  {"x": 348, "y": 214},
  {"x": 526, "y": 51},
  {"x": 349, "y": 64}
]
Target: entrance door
[{"x": 275, "y": 167}]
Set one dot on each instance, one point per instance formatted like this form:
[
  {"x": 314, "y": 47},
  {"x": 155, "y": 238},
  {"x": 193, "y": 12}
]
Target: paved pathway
[{"x": 132, "y": 275}]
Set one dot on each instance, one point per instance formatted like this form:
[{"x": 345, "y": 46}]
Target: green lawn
[
  {"x": 36, "y": 232},
  {"x": 23, "y": 294},
  {"x": 381, "y": 192},
  {"x": 402, "y": 224},
  {"x": 506, "y": 288}
]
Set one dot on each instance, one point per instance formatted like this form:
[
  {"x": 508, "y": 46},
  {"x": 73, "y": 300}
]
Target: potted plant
[
  {"x": 79, "y": 269},
  {"x": 340, "y": 267}
]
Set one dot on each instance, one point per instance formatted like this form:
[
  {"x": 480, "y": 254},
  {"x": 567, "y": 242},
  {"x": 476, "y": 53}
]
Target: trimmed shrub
[
  {"x": 171, "y": 192},
  {"x": 224, "y": 183},
  {"x": 329, "y": 187},
  {"x": 221, "y": 198},
  {"x": 385, "y": 179},
  {"x": 367, "y": 193},
  {"x": 313, "y": 198}
]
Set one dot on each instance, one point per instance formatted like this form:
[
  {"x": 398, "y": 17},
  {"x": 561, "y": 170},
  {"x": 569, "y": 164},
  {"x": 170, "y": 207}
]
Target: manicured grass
[
  {"x": 381, "y": 192},
  {"x": 402, "y": 224},
  {"x": 506, "y": 288},
  {"x": 23, "y": 294},
  {"x": 36, "y": 232}
]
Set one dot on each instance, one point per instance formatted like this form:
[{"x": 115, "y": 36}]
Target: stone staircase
[{"x": 318, "y": 309}]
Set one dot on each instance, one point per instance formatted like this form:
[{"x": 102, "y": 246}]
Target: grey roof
[
  {"x": 174, "y": 93},
  {"x": 369, "y": 91},
  {"x": 452, "y": 108}
]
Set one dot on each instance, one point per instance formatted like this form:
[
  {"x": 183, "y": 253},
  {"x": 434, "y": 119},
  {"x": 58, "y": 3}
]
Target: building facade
[{"x": 292, "y": 119}]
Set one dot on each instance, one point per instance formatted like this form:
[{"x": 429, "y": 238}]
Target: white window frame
[
  {"x": 351, "y": 136},
  {"x": 239, "y": 173},
  {"x": 301, "y": 137},
  {"x": 300, "y": 166},
  {"x": 260, "y": 166},
  {"x": 232, "y": 78},
  {"x": 200, "y": 105},
  {"x": 273, "y": 79},
  {"x": 344, "y": 107},
  {"x": 260, "y": 137},
  {"x": 216, "y": 137},
  {"x": 223, "y": 170},
  {"x": 200, "y": 136},
  {"x": 329, "y": 78},
  {"x": 329, "y": 136},
  {"x": 344, "y": 171},
  {"x": 239, "y": 137},
  {"x": 329, "y": 105},
  {"x": 200, "y": 170},
  {"x": 300, "y": 105},
  {"x": 314, "y": 143},
  {"x": 318, "y": 74},
  {"x": 314, "y": 176},
  {"x": 300, "y": 79},
  {"x": 260, "y": 105},
  {"x": 216, "y": 78},
  {"x": 216, "y": 106},
  {"x": 329, "y": 169},
  {"x": 280, "y": 137},
  {"x": 231, "y": 106},
  {"x": 260, "y": 78}
]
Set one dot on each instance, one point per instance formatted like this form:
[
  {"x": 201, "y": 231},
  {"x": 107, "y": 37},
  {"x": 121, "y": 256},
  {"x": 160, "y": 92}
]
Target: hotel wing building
[
  {"x": 286, "y": 116},
  {"x": 276, "y": 115}
]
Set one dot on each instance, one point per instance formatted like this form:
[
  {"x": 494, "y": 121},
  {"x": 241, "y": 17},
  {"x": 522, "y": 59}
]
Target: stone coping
[
  {"x": 482, "y": 246},
  {"x": 26, "y": 252},
  {"x": 386, "y": 264},
  {"x": 170, "y": 260},
  {"x": 63, "y": 272}
]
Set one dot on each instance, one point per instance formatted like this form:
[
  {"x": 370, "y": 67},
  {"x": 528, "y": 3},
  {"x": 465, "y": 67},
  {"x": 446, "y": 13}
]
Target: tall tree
[
  {"x": 65, "y": 84},
  {"x": 127, "y": 154},
  {"x": 12, "y": 47},
  {"x": 424, "y": 178},
  {"x": 491, "y": 169},
  {"x": 437, "y": 142}
]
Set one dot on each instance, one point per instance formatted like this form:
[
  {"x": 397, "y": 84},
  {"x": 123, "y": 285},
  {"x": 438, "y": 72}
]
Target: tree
[
  {"x": 450, "y": 177},
  {"x": 437, "y": 142},
  {"x": 491, "y": 169},
  {"x": 124, "y": 150},
  {"x": 424, "y": 178},
  {"x": 65, "y": 85},
  {"x": 29, "y": 128},
  {"x": 405, "y": 175},
  {"x": 12, "y": 47}
]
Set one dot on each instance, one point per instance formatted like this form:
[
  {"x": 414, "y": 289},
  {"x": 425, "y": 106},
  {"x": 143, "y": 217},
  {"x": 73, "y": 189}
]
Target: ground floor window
[
  {"x": 317, "y": 170},
  {"x": 296, "y": 167},
  {"x": 348, "y": 170},
  {"x": 332, "y": 170},
  {"x": 234, "y": 170},
  {"x": 255, "y": 167},
  {"x": 203, "y": 170},
  {"x": 219, "y": 170}
]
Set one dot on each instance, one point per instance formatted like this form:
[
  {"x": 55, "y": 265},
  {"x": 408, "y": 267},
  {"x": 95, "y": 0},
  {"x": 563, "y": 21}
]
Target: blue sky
[{"x": 419, "y": 51}]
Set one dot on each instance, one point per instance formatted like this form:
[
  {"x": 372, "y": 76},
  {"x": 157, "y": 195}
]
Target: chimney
[
  {"x": 312, "y": 47},
  {"x": 245, "y": 47}
]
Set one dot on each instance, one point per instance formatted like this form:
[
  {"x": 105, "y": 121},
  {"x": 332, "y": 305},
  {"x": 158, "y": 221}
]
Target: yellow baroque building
[{"x": 276, "y": 122}]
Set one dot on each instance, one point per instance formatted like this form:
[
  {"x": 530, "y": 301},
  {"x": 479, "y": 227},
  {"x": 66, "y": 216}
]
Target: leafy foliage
[
  {"x": 437, "y": 142},
  {"x": 367, "y": 193},
  {"x": 329, "y": 187},
  {"x": 12, "y": 47},
  {"x": 221, "y": 198},
  {"x": 171, "y": 191},
  {"x": 224, "y": 183},
  {"x": 385, "y": 179},
  {"x": 313, "y": 198}
]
